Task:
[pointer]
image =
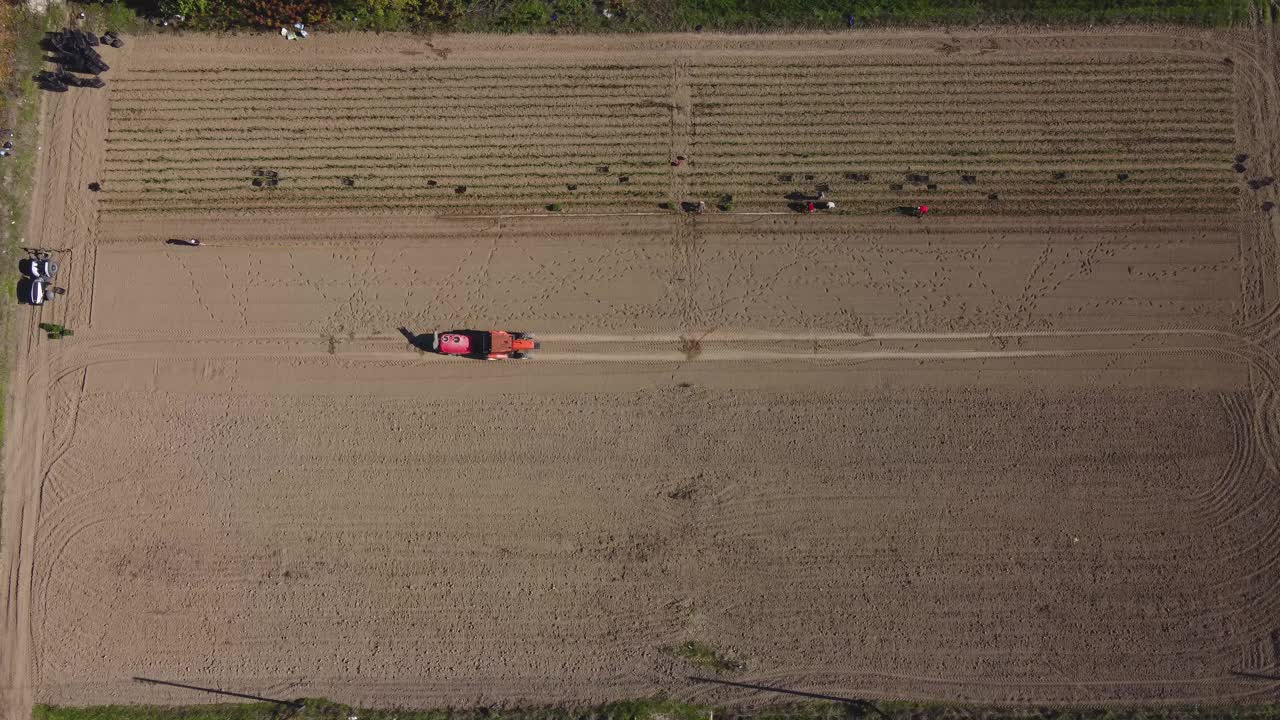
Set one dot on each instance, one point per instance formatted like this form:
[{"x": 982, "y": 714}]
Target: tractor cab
[{"x": 484, "y": 344}]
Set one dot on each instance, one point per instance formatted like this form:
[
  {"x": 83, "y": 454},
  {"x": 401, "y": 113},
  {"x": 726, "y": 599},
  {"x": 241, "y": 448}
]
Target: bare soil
[{"x": 1021, "y": 451}]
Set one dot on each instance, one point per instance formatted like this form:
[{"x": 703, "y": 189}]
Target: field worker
[
  {"x": 702, "y": 207},
  {"x": 922, "y": 210},
  {"x": 811, "y": 208}
]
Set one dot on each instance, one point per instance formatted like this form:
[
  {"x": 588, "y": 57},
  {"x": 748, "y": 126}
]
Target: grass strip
[
  {"x": 663, "y": 709},
  {"x": 21, "y": 57}
]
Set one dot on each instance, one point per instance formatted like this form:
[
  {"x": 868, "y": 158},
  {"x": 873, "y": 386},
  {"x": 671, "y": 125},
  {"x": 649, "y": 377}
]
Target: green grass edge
[
  {"x": 633, "y": 16},
  {"x": 659, "y": 708}
]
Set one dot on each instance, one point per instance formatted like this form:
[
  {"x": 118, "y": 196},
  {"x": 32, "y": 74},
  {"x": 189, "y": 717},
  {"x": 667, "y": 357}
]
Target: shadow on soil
[{"x": 859, "y": 707}]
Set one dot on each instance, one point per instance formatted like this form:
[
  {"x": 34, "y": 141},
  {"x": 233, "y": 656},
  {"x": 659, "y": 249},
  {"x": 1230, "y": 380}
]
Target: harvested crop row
[
  {"x": 389, "y": 138},
  {"x": 164, "y": 74},
  {"x": 303, "y": 87},
  {"x": 443, "y": 185},
  {"x": 534, "y": 199},
  {"x": 405, "y": 136},
  {"x": 1003, "y": 186},
  {"x": 942, "y": 113},
  {"x": 538, "y": 207},
  {"x": 424, "y": 166},
  {"x": 147, "y": 99},
  {"x": 461, "y": 159},
  {"x": 588, "y": 128},
  {"x": 1070, "y": 141},
  {"x": 445, "y": 120},
  {"x": 993, "y": 198},
  {"x": 982, "y": 181},
  {"x": 1112, "y": 62},
  {"x": 1125, "y": 145},
  {"x": 909, "y": 155},
  {"x": 777, "y": 75},
  {"x": 863, "y": 130},
  {"x": 869, "y": 124},
  {"x": 950, "y": 76},
  {"x": 390, "y": 176},
  {"x": 1187, "y": 117},
  {"x": 960, "y": 85},
  {"x": 390, "y": 130},
  {"x": 1117, "y": 99}
]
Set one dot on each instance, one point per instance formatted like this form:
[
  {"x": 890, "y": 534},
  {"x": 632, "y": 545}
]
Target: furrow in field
[
  {"x": 339, "y": 130},
  {"x": 357, "y": 111},
  {"x": 461, "y": 95}
]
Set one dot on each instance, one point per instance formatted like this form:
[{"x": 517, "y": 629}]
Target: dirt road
[{"x": 1024, "y": 451}]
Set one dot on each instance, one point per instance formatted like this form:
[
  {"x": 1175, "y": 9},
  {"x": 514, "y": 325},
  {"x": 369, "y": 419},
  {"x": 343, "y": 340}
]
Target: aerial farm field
[{"x": 1021, "y": 450}]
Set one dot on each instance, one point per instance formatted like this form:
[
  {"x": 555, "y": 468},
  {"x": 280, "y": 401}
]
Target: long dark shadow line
[
  {"x": 216, "y": 691},
  {"x": 862, "y": 704},
  {"x": 1254, "y": 676}
]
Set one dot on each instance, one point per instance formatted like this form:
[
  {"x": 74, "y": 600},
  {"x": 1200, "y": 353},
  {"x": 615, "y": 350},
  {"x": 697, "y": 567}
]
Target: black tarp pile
[
  {"x": 73, "y": 51},
  {"x": 265, "y": 178},
  {"x": 60, "y": 80}
]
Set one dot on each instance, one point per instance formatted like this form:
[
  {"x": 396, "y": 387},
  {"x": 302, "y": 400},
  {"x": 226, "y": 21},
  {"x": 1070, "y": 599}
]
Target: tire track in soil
[
  {"x": 1256, "y": 440},
  {"x": 1216, "y": 500},
  {"x": 60, "y": 217}
]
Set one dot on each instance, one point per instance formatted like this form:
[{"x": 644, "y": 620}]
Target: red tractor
[{"x": 485, "y": 344}]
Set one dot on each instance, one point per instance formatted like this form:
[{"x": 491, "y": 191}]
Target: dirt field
[{"x": 1025, "y": 450}]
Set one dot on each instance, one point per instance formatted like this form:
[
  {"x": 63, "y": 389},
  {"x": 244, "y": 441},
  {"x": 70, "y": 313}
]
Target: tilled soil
[
  {"x": 1021, "y": 451},
  {"x": 997, "y": 125}
]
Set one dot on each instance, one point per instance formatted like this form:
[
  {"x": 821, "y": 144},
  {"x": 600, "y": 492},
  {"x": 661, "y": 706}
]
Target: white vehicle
[
  {"x": 35, "y": 291},
  {"x": 38, "y": 266},
  {"x": 36, "y": 285}
]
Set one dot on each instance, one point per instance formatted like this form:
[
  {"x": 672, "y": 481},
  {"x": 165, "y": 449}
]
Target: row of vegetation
[
  {"x": 20, "y": 58},
  {"x": 657, "y": 709},
  {"x": 681, "y": 15}
]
